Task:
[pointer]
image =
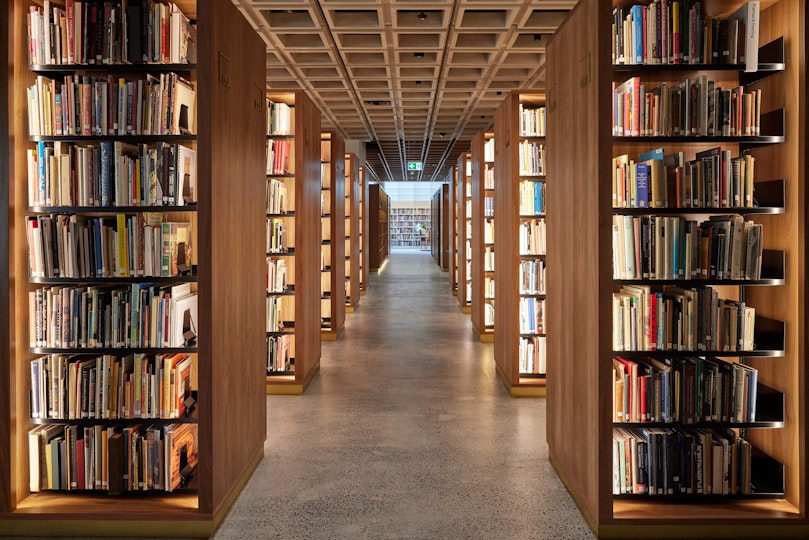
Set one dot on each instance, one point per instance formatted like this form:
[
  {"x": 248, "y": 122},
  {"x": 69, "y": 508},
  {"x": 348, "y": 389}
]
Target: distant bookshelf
[
  {"x": 353, "y": 235},
  {"x": 406, "y": 224},
  {"x": 482, "y": 235},
  {"x": 379, "y": 232},
  {"x": 333, "y": 233},
  {"x": 464, "y": 196}
]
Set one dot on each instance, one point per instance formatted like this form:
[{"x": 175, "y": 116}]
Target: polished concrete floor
[{"x": 405, "y": 433}]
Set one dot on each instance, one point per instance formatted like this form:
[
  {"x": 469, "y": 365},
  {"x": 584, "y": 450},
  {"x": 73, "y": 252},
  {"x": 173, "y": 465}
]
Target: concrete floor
[{"x": 405, "y": 433}]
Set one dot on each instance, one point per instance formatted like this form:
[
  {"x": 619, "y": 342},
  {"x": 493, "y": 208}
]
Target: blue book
[
  {"x": 43, "y": 193},
  {"x": 657, "y": 153},
  {"x": 106, "y": 173},
  {"x": 637, "y": 28},
  {"x": 538, "y": 202},
  {"x": 676, "y": 243},
  {"x": 97, "y": 242},
  {"x": 642, "y": 185}
]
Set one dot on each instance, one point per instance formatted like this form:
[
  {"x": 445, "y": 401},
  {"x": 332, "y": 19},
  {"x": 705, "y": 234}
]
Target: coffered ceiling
[{"x": 416, "y": 78}]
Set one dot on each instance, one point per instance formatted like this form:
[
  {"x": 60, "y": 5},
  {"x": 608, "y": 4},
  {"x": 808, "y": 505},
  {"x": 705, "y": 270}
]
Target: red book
[
  {"x": 71, "y": 29},
  {"x": 653, "y": 323},
  {"x": 644, "y": 413},
  {"x": 86, "y": 109},
  {"x": 80, "y": 462}
]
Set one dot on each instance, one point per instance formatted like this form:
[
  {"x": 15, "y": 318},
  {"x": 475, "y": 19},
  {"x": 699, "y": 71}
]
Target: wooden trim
[
  {"x": 291, "y": 387},
  {"x": 521, "y": 390},
  {"x": 6, "y": 103}
]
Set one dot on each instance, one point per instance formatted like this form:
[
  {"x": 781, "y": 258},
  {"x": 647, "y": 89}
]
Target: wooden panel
[
  {"x": 476, "y": 150},
  {"x": 579, "y": 251},
  {"x": 307, "y": 240},
  {"x": 463, "y": 180},
  {"x": 435, "y": 227},
  {"x": 353, "y": 222},
  {"x": 5, "y": 188},
  {"x": 452, "y": 205},
  {"x": 378, "y": 226},
  {"x": 364, "y": 246},
  {"x": 446, "y": 220},
  {"x": 231, "y": 201},
  {"x": 506, "y": 238},
  {"x": 786, "y": 232},
  {"x": 338, "y": 233}
]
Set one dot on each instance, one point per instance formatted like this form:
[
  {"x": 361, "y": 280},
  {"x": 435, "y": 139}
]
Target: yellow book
[{"x": 122, "y": 265}]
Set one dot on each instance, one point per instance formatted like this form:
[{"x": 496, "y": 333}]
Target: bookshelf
[
  {"x": 439, "y": 225},
  {"x": 580, "y": 359},
  {"x": 352, "y": 232},
  {"x": 465, "y": 232},
  {"x": 363, "y": 230},
  {"x": 482, "y": 159},
  {"x": 378, "y": 234},
  {"x": 520, "y": 176},
  {"x": 333, "y": 253},
  {"x": 453, "y": 231},
  {"x": 293, "y": 203},
  {"x": 404, "y": 222},
  {"x": 229, "y": 442}
]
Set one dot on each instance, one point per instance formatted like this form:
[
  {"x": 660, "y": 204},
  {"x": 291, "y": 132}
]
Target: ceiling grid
[{"x": 416, "y": 79}]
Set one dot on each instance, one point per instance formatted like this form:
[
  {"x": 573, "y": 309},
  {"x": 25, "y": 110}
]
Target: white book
[{"x": 749, "y": 15}]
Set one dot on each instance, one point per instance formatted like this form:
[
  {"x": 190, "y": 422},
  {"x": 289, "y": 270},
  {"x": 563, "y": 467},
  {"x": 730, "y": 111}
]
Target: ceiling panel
[{"x": 415, "y": 79}]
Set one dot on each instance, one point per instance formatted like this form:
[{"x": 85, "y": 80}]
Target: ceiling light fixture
[
  {"x": 421, "y": 15},
  {"x": 418, "y": 55}
]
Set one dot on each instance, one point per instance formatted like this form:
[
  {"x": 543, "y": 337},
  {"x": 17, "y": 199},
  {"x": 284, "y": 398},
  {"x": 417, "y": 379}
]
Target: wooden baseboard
[
  {"x": 330, "y": 335},
  {"x": 454, "y": 293},
  {"x": 465, "y": 309},
  {"x": 522, "y": 390},
  {"x": 290, "y": 387},
  {"x": 362, "y": 292},
  {"x": 350, "y": 309},
  {"x": 485, "y": 337}
]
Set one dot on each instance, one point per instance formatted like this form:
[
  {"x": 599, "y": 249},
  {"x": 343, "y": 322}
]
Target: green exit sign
[{"x": 414, "y": 165}]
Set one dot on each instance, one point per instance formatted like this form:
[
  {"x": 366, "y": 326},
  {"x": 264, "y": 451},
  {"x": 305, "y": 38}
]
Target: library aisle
[{"x": 406, "y": 433}]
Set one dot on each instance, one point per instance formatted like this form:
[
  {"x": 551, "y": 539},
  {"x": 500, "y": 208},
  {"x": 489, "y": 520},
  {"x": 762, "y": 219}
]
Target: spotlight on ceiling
[
  {"x": 418, "y": 55},
  {"x": 537, "y": 37},
  {"x": 421, "y": 15}
]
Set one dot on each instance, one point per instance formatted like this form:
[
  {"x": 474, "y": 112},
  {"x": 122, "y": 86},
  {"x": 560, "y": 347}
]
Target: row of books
[
  {"x": 140, "y": 457},
  {"x": 276, "y": 276},
  {"x": 697, "y": 107},
  {"x": 278, "y": 201},
  {"x": 137, "y": 315},
  {"x": 488, "y": 313},
  {"x": 670, "y": 247},
  {"x": 111, "y": 387},
  {"x": 280, "y": 118},
  {"x": 93, "y": 106},
  {"x": 279, "y": 156},
  {"x": 488, "y": 151},
  {"x": 531, "y": 158},
  {"x": 532, "y": 237},
  {"x": 488, "y": 231},
  {"x": 93, "y": 32},
  {"x": 488, "y": 287},
  {"x": 532, "y": 276},
  {"x": 683, "y": 390},
  {"x": 678, "y": 319},
  {"x": 124, "y": 245},
  {"x": 276, "y": 235},
  {"x": 488, "y": 259},
  {"x": 275, "y": 314},
  {"x": 532, "y": 121},
  {"x": 713, "y": 179},
  {"x": 678, "y": 32},
  {"x": 531, "y": 198},
  {"x": 532, "y": 316},
  {"x": 279, "y": 354},
  {"x": 488, "y": 176},
  {"x": 488, "y": 207},
  {"x": 533, "y": 356},
  {"x": 667, "y": 461},
  {"x": 111, "y": 174}
]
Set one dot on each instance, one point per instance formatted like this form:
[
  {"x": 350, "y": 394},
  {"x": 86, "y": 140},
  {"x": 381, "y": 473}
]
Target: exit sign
[{"x": 414, "y": 165}]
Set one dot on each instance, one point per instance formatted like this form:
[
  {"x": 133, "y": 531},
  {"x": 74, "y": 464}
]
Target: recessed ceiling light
[
  {"x": 421, "y": 15},
  {"x": 418, "y": 55}
]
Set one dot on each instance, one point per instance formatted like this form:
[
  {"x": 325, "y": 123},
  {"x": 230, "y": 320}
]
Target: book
[{"x": 747, "y": 17}]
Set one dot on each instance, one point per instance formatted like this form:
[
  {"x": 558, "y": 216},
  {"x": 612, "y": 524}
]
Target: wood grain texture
[
  {"x": 352, "y": 221},
  {"x": 6, "y": 105},
  {"x": 307, "y": 238},
  {"x": 579, "y": 251},
  {"x": 478, "y": 196},
  {"x": 446, "y": 220},
  {"x": 464, "y": 180},
  {"x": 338, "y": 227},
  {"x": 364, "y": 229},
  {"x": 378, "y": 234},
  {"x": 232, "y": 122}
]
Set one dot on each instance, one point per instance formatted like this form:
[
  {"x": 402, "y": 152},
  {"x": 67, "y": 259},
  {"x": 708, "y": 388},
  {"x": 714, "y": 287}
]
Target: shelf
[
  {"x": 532, "y": 178},
  {"x": 538, "y": 138},
  {"x": 542, "y": 376},
  {"x": 117, "y": 351},
  {"x": 280, "y": 136},
  {"x": 290, "y": 252},
  {"x": 135, "y": 139},
  {"x": 111, "y": 209},
  {"x": 115, "y": 280},
  {"x": 284, "y": 175},
  {"x": 531, "y": 216},
  {"x": 533, "y": 335},
  {"x": 532, "y": 295},
  {"x": 52, "y": 70},
  {"x": 531, "y": 256},
  {"x": 280, "y": 216},
  {"x": 289, "y": 292},
  {"x": 84, "y": 422}
]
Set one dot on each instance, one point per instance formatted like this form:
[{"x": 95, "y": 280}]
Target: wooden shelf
[
  {"x": 230, "y": 320},
  {"x": 333, "y": 225},
  {"x": 379, "y": 234},
  {"x": 479, "y": 219},
  {"x": 352, "y": 232},
  {"x": 581, "y": 103},
  {"x": 464, "y": 202},
  {"x": 302, "y": 297}
]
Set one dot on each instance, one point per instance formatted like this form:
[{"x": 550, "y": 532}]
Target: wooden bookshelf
[
  {"x": 378, "y": 234},
  {"x": 580, "y": 254},
  {"x": 301, "y": 300},
  {"x": 453, "y": 231},
  {"x": 352, "y": 232},
  {"x": 439, "y": 220},
  {"x": 483, "y": 323},
  {"x": 363, "y": 230},
  {"x": 404, "y": 219},
  {"x": 230, "y": 121},
  {"x": 511, "y": 337},
  {"x": 465, "y": 232},
  {"x": 333, "y": 253}
]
